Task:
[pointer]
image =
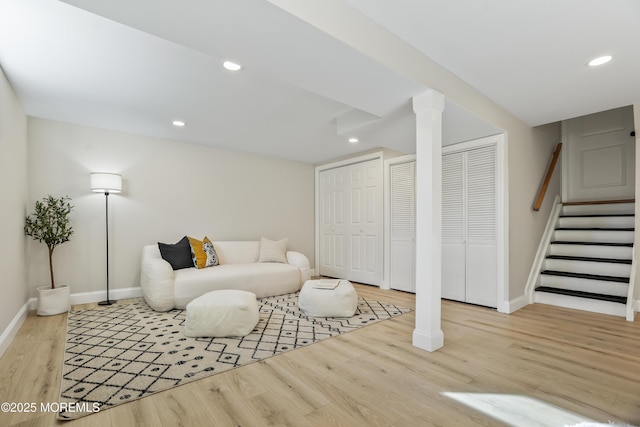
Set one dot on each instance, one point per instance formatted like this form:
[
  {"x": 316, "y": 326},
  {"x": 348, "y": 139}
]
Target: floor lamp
[{"x": 106, "y": 183}]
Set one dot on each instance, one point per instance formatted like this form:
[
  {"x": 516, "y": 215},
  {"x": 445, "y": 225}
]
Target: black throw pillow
[{"x": 178, "y": 255}]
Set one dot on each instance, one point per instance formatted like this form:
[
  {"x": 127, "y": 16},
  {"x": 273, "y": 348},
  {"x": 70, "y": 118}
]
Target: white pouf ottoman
[
  {"x": 224, "y": 313},
  {"x": 318, "y": 300}
]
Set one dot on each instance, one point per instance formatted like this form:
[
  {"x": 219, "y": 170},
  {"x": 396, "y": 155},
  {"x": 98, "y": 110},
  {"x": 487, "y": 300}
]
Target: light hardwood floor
[{"x": 588, "y": 364}]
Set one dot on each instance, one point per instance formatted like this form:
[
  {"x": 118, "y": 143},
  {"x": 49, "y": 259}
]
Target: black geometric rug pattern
[{"x": 119, "y": 353}]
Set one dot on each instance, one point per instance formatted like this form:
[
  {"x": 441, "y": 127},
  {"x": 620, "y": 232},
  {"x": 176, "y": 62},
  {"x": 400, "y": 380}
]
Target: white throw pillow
[{"x": 273, "y": 251}]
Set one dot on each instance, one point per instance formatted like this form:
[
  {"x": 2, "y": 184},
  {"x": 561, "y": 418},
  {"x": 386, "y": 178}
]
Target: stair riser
[
  {"x": 613, "y": 208},
  {"x": 588, "y": 267},
  {"x": 595, "y": 251},
  {"x": 586, "y": 304},
  {"x": 601, "y": 236},
  {"x": 585, "y": 285},
  {"x": 597, "y": 222}
]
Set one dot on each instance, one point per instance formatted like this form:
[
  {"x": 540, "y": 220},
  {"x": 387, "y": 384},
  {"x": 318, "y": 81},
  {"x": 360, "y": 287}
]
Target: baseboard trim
[
  {"x": 97, "y": 296},
  {"x": 10, "y": 332},
  {"x": 114, "y": 294},
  {"x": 516, "y": 304}
]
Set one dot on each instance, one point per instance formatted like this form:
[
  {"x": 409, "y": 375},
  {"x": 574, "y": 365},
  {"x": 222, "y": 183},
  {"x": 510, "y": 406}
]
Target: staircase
[{"x": 588, "y": 259}]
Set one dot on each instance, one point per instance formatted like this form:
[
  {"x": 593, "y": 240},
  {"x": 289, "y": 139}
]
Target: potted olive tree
[{"x": 49, "y": 224}]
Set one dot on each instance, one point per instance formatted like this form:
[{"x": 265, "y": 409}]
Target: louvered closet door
[
  {"x": 482, "y": 249},
  {"x": 453, "y": 227},
  {"x": 403, "y": 226},
  {"x": 469, "y": 226}
]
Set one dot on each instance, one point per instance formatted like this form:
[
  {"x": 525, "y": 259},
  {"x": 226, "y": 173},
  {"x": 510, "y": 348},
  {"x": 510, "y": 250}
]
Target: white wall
[
  {"x": 529, "y": 156},
  {"x": 13, "y": 196},
  {"x": 170, "y": 189}
]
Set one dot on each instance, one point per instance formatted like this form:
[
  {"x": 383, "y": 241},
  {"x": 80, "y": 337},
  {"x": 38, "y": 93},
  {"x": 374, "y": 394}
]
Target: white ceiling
[
  {"x": 529, "y": 56},
  {"x": 136, "y": 66}
]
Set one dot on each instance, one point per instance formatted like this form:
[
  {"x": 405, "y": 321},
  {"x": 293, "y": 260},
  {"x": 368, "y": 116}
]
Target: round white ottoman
[
  {"x": 316, "y": 301},
  {"x": 224, "y": 313}
]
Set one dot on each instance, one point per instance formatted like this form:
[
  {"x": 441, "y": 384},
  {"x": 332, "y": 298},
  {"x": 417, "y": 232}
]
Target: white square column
[{"x": 428, "y": 109}]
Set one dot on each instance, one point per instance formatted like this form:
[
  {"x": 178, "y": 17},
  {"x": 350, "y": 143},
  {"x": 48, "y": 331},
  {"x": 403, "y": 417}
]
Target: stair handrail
[
  {"x": 541, "y": 253},
  {"x": 547, "y": 178}
]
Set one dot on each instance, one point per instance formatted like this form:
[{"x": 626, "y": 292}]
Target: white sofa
[{"x": 165, "y": 289}]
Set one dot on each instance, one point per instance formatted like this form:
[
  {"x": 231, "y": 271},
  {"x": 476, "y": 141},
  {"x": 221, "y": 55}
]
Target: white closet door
[
  {"x": 333, "y": 223},
  {"x": 350, "y": 222},
  {"x": 453, "y": 227},
  {"x": 402, "y": 226},
  {"x": 469, "y": 226},
  {"x": 365, "y": 222},
  {"x": 482, "y": 249}
]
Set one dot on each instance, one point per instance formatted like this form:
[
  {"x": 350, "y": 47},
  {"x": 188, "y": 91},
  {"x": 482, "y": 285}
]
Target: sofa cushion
[
  {"x": 273, "y": 251},
  {"x": 178, "y": 254},
  {"x": 203, "y": 253},
  {"x": 264, "y": 279}
]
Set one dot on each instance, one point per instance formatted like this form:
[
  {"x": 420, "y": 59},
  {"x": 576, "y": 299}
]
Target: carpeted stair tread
[
  {"x": 586, "y": 276},
  {"x": 590, "y": 259},
  {"x": 593, "y": 215},
  {"x": 582, "y": 294},
  {"x": 569, "y": 242},
  {"x": 600, "y": 202},
  {"x": 595, "y": 229}
]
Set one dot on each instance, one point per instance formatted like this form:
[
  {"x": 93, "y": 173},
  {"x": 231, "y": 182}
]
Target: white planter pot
[{"x": 54, "y": 301}]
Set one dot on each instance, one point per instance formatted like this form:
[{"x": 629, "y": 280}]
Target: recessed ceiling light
[
  {"x": 600, "y": 60},
  {"x": 232, "y": 66},
  {"x": 179, "y": 123},
  {"x": 353, "y": 140}
]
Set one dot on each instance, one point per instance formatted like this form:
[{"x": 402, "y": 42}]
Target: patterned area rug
[{"x": 123, "y": 352}]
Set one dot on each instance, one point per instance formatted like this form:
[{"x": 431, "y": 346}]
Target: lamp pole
[
  {"x": 106, "y": 204},
  {"x": 106, "y": 183}
]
